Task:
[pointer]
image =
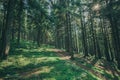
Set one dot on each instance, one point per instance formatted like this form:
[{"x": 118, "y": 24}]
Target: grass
[
  {"x": 90, "y": 64},
  {"x": 30, "y": 63}
]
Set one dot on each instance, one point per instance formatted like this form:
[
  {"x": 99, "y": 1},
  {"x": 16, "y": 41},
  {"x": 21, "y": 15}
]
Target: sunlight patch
[
  {"x": 49, "y": 79},
  {"x": 96, "y": 7},
  {"x": 21, "y": 61},
  {"x": 38, "y": 71},
  {"x": 46, "y": 59},
  {"x": 83, "y": 75}
]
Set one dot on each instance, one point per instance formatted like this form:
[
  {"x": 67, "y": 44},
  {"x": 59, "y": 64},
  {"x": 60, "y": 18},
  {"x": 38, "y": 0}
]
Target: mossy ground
[{"x": 29, "y": 62}]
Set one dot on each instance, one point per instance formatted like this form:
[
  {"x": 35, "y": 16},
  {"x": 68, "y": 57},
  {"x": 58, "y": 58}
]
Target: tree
[{"x": 5, "y": 39}]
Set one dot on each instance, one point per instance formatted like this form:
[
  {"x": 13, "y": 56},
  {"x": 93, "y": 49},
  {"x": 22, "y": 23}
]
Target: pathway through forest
[
  {"x": 107, "y": 69},
  {"x": 51, "y": 64},
  {"x": 65, "y": 56}
]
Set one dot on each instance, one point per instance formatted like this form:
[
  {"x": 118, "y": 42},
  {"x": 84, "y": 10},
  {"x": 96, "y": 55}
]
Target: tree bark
[
  {"x": 5, "y": 41},
  {"x": 19, "y": 21}
]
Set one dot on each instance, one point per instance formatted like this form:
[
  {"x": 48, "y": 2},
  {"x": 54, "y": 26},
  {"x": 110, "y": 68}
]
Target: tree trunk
[
  {"x": 116, "y": 40},
  {"x": 5, "y": 41},
  {"x": 19, "y": 21}
]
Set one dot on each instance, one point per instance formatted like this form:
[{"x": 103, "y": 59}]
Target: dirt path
[{"x": 65, "y": 56}]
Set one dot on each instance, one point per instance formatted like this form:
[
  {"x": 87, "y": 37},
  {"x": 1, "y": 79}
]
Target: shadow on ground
[{"x": 40, "y": 64}]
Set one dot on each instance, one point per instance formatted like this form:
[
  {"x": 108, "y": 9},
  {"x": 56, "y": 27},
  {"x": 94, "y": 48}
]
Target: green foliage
[
  {"x": 40, "y": 63},
  {"x": 90, "y": 27}
]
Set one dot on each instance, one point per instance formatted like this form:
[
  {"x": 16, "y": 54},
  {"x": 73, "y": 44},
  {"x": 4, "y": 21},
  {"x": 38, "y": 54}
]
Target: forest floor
[
  {"x": 101, "y": 68},
  {"x": 47, "y": 63}
]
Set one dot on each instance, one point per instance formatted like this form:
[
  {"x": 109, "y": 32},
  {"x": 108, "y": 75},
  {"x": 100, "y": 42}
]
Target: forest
[{"x": 59, "y": 39}]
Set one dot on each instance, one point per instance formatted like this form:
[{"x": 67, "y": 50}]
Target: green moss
[{"x": 40, "y": 64}]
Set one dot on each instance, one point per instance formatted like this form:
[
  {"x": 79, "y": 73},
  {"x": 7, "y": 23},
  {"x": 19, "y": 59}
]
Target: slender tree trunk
[
  {"x": 93, "y": 36},
  {"x": 39, "y": 36},
  {"x": 84, "y": 38},
  {"x": 67, "y": 45},
  {"x": 20, "y": 21}
]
